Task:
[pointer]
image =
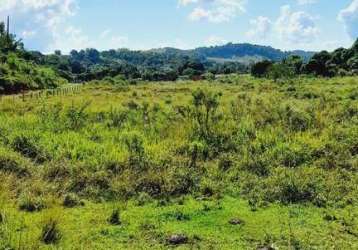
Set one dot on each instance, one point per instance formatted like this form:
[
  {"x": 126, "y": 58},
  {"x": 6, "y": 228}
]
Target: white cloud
[
  {"x": 304, "y": 2},
  {"x": 74, "y": 38},
  {"x": 48, "y": 11},
  {"x": 186, "y": 2},
  {"x": 105, "y": 33},
  {"x": 260, "y": 27},
  {"x": 53, "y": 29},
  {"x": 68, "y": 39},
  {"x": 198, "y": 14},
  {"x": 28, "y": 33},
  {"x": 215, "y": 11},
  {"x": 48, "y": 17},
  {"x": 296, "y": 27},
  {"x": 349, "y": 16},
  {"x": 7, "y": 4}
]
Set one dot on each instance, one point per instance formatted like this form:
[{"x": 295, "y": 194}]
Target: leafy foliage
[
  {"x": 17, "y": 73},
  {"x": 340, "y": 62}
]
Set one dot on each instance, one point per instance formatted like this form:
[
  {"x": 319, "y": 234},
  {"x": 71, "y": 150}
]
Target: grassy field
[{"x": 236, "y": 163}]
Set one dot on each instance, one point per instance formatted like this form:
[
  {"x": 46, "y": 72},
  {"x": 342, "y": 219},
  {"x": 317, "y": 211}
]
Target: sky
[{"x": 48, "y": 25}]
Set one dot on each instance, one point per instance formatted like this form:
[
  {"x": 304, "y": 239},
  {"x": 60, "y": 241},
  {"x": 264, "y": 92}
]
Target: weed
[
  {"x": 114, "y": 218},
  {"x": 50, "y": 231}
]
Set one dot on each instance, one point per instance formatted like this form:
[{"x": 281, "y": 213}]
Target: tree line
[
  {"x": 169, "y": 65},
  {"x": 22, "y": 70},
  {"x": 341, "y": 62}
]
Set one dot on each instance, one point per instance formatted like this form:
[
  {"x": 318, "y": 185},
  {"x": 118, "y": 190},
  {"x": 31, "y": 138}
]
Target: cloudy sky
[{"x": 47, "y": 25}]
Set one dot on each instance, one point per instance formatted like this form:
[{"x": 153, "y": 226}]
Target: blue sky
[{"x": 47, "y": 25}]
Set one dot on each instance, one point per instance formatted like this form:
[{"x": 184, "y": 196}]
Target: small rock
[
  {"x": 177, "y": 239},
  {"x": 236, "y": 221}
]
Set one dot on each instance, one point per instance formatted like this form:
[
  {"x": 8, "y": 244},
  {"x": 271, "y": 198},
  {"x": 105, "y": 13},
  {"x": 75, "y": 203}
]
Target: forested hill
[
  {"x": 163, "y": 63},
  {"x": 241, "y": 52},
  {"x": 237, "y": 51}
]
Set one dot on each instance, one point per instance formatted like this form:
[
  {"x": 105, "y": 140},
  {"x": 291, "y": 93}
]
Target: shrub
[
  {"x": 114, "y": 218},
  {"x": 77, "y": 116},
  {"x": 143, "y": 198},
  {"x": 261, "y": 69},
  {"x": 296, "y": 119},
  {"x": 2, "y": 217},
  {"x": 51, "y": 115},
  {"x": 197, "y": 150},
  {"x": 181, "y": 180},
  {"x": 71, "y": 200},
  {"x": 292, "y": 155},
  {"x": 225, "y": 162},
  {"x": 31, "y": 203},
  {"x": 117, "y": 118},
  {"x": 280, "y": 70},
  {"x": 12, "y": 163},
  {"x": 26, "y": 145},
  {"x": 258, "y": 164},
  {"x": 135, "y": 145},
  {"x": 57, "y": 171},
  {"x": 50, "y": 232},
  {"x": 296, "y": 186},
  {"x": 205, "y": 104},
  {"x": 132, "y": 105}
]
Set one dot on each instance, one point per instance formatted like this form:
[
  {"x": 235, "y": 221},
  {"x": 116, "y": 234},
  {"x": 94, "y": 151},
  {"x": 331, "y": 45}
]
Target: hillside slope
[{"x": 232, "y": 51}]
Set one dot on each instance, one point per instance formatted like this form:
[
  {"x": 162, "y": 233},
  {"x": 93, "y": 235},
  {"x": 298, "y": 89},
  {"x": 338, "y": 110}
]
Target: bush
[
  {"x": 117, "y": 118},
  {"x": 31, "y": 203},
  {"x": 225, "y": 162},
  {"x": 26, "y": 145},
  {"x": 2, "y": 217},
  {"x": 12, "y": 163},
  {"x": 57, "y": 171},
  {"x": 72, "y": 200},
  {"x": 114, "y": 218},
  {"x": 77, "y": 116},
  {"x": 205, "y": 104},
  {"x": 50, "y": 232},
  {"x": 279, "y": 71},
  {"x": 196, "y": 151},
  {"x": 292, "y": 155},
  {"x": 303, "y": 185},
  {"x": 296, "y": 120},
  {"x": 143, "y": 198},
  {"x": 182, "y": 180},
  {"x": 135, "y": 145},
  {"x": 261, "y": 69}
]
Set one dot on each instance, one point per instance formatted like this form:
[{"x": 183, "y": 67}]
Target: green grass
[
  {"x": 205, "y": 222},
  {"x": 183, "y": 158}
]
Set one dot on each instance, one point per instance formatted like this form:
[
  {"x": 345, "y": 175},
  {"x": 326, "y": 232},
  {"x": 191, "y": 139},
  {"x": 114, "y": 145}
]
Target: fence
[{"x": 74, "y": 89}]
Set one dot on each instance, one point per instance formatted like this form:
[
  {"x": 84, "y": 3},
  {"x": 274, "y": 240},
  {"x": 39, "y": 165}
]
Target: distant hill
[
  {"x": 162, "y": 63},
  {"x": 239, "y": 51},
  {"x": 242, "y": 52}
]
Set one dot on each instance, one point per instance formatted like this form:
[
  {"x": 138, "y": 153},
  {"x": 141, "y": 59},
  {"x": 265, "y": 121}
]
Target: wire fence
[{"x": 24, "y": 96}]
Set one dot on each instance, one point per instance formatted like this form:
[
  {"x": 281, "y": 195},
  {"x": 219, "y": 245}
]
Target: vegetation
[
  {"x": 228, "y": 161},
  {"x": 17, "y": 73},
  {"x": 233, "y": 163},
  {"x": 167, "y": 64},
  {"x": 341, "y": 62},
  {"x": 235, "y": 51}
]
